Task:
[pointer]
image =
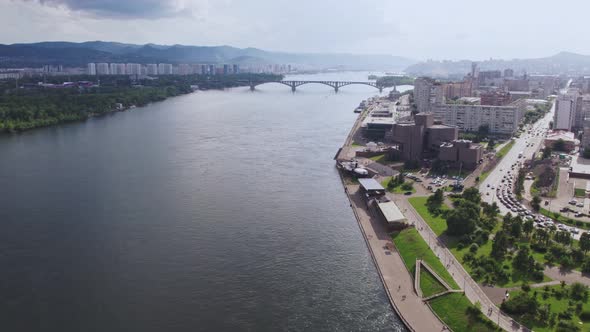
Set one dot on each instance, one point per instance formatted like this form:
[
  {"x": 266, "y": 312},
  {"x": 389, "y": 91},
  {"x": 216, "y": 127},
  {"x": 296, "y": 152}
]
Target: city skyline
[{"x": 377, "y": 27}]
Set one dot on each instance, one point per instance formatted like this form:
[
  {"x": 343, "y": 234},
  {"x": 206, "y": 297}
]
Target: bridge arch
[{"x": 336, "y": 85}]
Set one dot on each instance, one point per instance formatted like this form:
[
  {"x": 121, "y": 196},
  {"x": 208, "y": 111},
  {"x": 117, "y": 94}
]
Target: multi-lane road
[
  {"x": 528, "y": 143},
  {"x": 499, "y": 185}
]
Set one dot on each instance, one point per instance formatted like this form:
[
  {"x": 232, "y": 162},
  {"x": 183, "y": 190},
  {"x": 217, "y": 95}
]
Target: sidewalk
[
  {"x": 554, "y": 272},
  {"x": 396, "y": 279}
]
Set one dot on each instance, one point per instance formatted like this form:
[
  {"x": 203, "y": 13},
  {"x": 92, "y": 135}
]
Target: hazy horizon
[{"x": 419, "y": 30}]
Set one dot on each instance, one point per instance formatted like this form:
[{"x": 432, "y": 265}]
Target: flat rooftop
[
  {"x": 391, "y": 212},
  {"x": 370, "y": 184},
  {"x": 379, "y": 120},
  {"x": 580, "y": 165},
  {"x": 561, "y": 134}
]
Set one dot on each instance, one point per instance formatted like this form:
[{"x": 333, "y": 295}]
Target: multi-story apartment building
[
  {"x": 133, "y": 69},
  {"x": 495, "y": 98},
  {"x": 454, "y": 90},
  {"x": 502, "y": 120},
  {"x": 569, "y": 111},
  {"x": 152, "y": 69},
  {"x": 91, "y": 69},
  {"x": 164, "y": 69},
  {"x": 426, "y": 93},
  {"x": 117, "y": 69},
  {"x": 102, "y": 68}
]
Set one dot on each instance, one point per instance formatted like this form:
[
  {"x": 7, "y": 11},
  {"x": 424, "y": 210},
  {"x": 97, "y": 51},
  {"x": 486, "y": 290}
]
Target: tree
[
  {"x": 491, "y": 144},
  {"x": 578, "y": 291},
  {"x": 562, "y": 237},
  {"x": 490, "y": 210},
  {"x": 585, "y": 242},
  {"x": 523, "y": 262},
  {"x": 521, "y": 304},
  {"x": 472, "y": 194},
  {"x": 528, "y": 226},
  {"x": 463, "y": 219},
  {"x": 499, "y": 246},
  {"x": 542, "y": 236},
  {"x": 435, "y": 201},
  {"x": 407, "y": 186},
  {"x": 547, "y": 152},
  {"x": 516, "y": 227},
  {"x": 559, "y": 145},
  {"x": 536, "y": 203}
]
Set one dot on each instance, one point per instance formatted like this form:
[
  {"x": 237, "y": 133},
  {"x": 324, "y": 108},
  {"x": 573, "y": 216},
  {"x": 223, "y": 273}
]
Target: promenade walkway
[
  {"x": 556, "y": 273},
  {"x": 472, "y": 290},
  {"x": 397, "y": 280}
]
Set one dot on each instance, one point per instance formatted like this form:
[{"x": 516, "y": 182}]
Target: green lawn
[
  {"x": 579, "y": 192},
  {"x": 557, "y": 306},
  {"x": 397, "y": 189},
  {"x": 505, "y": 149},
  {"x": 429, "y": 284},
  {"x": 411, "y": 246},
  {"x": 355, "y": 144},
  {"x": 437, "y": 223},
  {"x": 379, "y": 158},
  {"x": 483, "y": 176},
  {"x": 451, "y": 308}
]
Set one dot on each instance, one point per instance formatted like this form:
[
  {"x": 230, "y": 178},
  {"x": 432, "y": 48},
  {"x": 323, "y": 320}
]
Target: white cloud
[{"x": 420, "y": 28}]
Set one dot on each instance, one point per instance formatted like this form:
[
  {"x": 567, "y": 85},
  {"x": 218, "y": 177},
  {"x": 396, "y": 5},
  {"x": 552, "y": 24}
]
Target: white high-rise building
[
  {"x": 91, "y": 69},
  {"x": 164, "y": 69},
  {"x": 152, "y": 69},
  {"x": 185, "y": 69},
  {"x": 133, "y": 69},
  {"x": 427, "y": 92},
  {"x": 103, "y": 68},
  {"x": 565, "y": 112}
]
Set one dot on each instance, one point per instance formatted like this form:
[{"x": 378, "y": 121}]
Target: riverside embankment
[{"x": 397, "y": 280}]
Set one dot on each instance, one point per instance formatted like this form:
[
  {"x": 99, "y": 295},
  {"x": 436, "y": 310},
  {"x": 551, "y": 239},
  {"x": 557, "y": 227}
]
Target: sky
[{"x": 418, "y": 29}]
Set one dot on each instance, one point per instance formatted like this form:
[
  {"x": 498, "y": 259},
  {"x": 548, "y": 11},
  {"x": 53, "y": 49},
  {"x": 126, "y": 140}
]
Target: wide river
[{"x": 214, "y": 211}]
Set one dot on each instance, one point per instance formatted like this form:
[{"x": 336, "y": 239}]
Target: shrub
[{"x": 473, "y": 248}]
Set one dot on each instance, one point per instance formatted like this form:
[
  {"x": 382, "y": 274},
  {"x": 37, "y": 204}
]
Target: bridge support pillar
[
  {"x": 380, "y": 89},
  {"x": 293, "y": 88},
  {"x": 336, "y": 89},
  {"x": 251, "y": 87}
]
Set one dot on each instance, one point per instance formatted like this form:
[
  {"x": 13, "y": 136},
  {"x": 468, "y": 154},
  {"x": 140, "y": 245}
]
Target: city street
[{"x": 494, "y": 179}]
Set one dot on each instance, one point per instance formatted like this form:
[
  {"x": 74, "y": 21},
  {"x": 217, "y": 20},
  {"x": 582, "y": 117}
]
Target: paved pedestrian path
[
  {"x": 397, "y": 280},
  {"x": 569, "y": 276}
]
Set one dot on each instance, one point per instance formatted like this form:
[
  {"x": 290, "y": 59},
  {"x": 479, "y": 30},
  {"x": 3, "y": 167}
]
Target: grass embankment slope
[{"x": 451, "y": 308}]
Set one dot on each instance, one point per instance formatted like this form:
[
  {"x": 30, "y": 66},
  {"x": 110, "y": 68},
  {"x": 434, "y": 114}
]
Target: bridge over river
[{"x": 336, "y": 85}]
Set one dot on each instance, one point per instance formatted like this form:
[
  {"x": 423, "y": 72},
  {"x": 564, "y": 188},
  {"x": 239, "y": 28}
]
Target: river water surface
[{"x": 214, "y": 211}]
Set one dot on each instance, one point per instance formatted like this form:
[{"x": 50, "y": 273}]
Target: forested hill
[{"x": 79, "y": 54}]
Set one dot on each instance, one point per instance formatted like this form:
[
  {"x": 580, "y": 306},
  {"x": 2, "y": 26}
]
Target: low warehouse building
[
  {"x": 392, "y": 215},
  {"x": 371, "y": 188}
]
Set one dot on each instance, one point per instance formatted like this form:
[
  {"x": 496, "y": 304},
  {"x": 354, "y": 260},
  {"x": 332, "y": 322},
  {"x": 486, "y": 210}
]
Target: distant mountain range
[
  {"x": 79, "y": 54},
  {"x": 561, "y": 63}
]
